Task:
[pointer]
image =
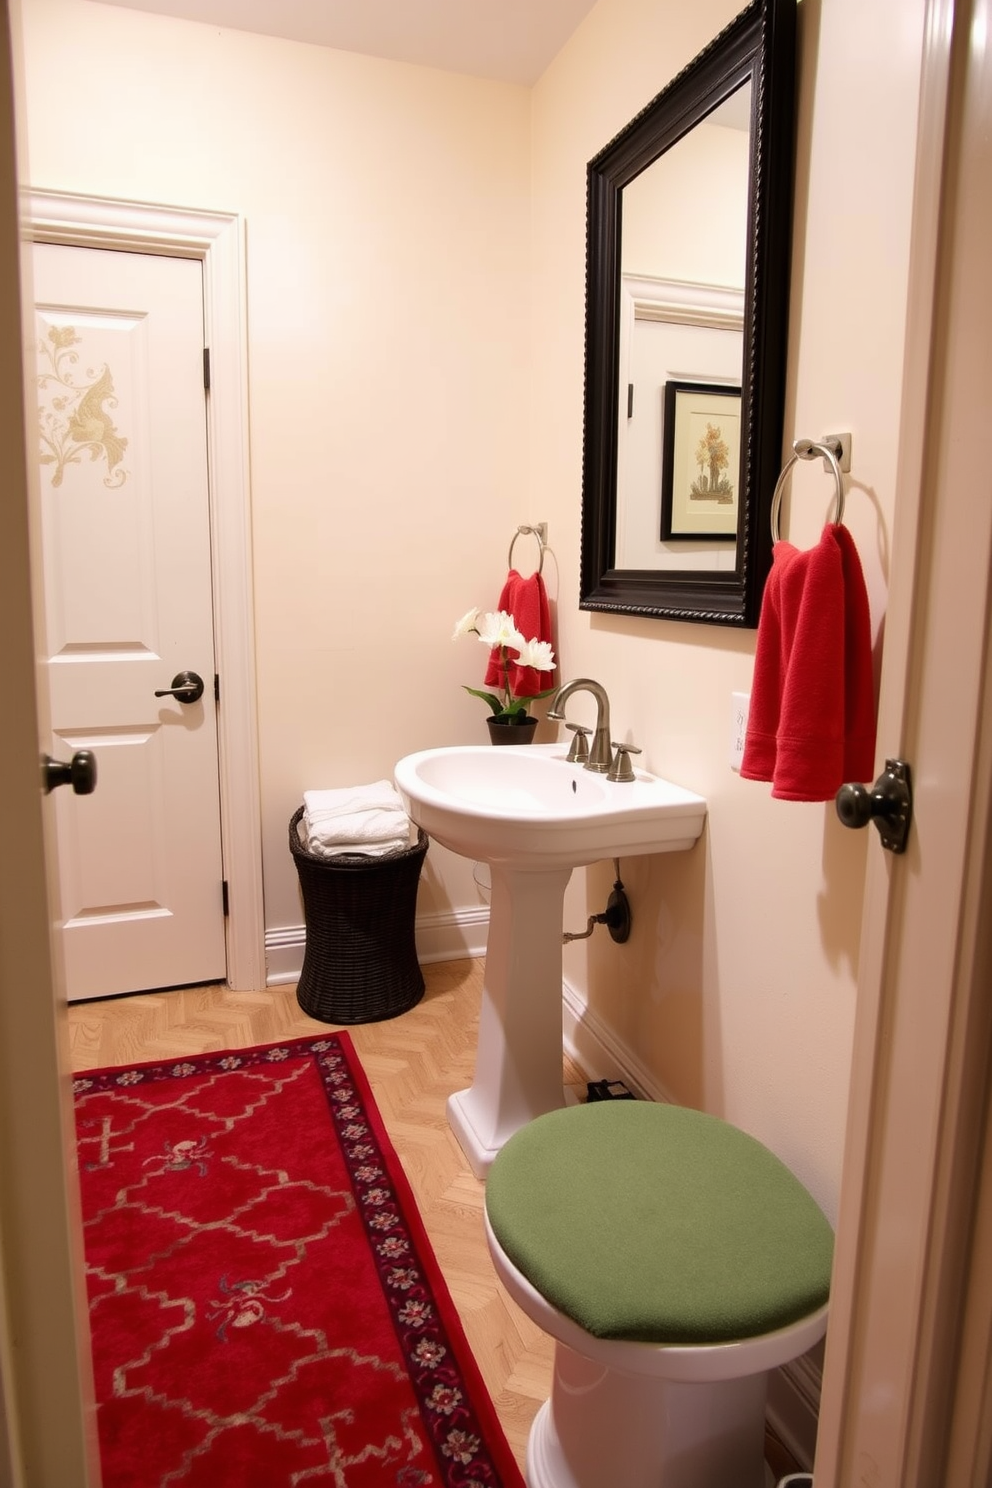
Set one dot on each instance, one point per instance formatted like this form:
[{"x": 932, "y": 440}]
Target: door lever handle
[{"x": 187, "y": 687}]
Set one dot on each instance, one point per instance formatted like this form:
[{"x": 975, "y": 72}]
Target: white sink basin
[
  {"x": 525, "y": 805},
  {"x": 533, "y": 817}
]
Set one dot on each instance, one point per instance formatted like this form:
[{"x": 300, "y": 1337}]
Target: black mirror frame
[{"x": 759, "y": 44}]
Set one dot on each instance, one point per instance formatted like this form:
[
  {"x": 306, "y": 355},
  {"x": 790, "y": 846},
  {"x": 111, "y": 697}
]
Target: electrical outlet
[{"x": 739, "y": 705}]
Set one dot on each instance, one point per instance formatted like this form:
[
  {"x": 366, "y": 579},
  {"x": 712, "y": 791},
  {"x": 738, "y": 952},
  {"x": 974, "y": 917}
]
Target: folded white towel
[
  {"x": 367, "y": 819},
  {"x": 360, "y": 826},
  {"x": 381, "y": 795},
  {"x": 358, "y": 846}
]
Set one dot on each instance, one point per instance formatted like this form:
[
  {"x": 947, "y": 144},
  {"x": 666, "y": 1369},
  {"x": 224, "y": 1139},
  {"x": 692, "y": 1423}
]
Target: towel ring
[
  {"x": 808, "y": 449},
  {"x": 521, "y": 532}
]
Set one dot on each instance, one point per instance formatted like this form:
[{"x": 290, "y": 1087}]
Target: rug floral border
[{"x": 470, "y": 1448}]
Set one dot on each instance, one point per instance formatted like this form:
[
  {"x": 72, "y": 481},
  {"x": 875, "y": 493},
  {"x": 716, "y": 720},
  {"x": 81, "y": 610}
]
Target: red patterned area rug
[{"x": 265, "y": 1306}]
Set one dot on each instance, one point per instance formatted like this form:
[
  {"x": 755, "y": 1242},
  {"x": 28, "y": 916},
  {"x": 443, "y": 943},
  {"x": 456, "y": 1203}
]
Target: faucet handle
[
  {"x": 579, "y": 750},
  {"x": 621, "y": 768}
]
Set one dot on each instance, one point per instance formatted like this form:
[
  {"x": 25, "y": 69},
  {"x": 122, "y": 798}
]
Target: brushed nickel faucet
[{"x": 600, "y": 751}]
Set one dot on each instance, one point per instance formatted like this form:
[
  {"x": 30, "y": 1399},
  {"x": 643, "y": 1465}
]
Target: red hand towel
[
  {"x": 811, "y": 723},
  {"x": 527, "y": 601}
]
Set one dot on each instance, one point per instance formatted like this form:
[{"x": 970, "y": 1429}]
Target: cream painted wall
[
  {"x": 736, "y": 990},
  {"x": 416, "y": 278},
  {"x": 387, "y": 212}
]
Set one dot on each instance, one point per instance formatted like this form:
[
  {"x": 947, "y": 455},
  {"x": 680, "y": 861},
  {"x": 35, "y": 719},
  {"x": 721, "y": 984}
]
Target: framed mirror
[{"x": 687, "y": 292}]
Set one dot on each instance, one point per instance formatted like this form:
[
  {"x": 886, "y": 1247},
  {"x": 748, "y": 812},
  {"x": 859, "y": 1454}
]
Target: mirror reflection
[
  {"x": 688, "y": 247},
  {"x": 682, "y": 272}
]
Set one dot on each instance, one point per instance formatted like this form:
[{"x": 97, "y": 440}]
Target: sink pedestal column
[{"x": 518, "y": 1068}]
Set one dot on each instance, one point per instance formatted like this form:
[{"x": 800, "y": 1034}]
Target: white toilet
[{"x": 675, "y": 1261}]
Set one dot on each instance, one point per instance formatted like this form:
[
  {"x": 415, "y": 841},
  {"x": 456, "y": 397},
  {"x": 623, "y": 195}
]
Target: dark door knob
[
  {"x": 79, "y": 772},
  {"x": 889, "y": 804},
  {"x": 186, "y": 686}
]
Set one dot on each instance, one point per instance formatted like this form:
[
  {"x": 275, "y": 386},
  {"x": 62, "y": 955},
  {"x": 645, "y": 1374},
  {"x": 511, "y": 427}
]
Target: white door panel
[{"x": 126, "y": 539}]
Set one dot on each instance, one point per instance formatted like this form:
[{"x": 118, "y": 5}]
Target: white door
[
  {"x": 47, "y": 1420},
  {"x": 126, "y": 550}
]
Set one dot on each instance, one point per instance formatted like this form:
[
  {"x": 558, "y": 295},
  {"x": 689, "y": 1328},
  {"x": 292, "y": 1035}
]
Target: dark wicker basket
[{"x": 360, "y": 963}]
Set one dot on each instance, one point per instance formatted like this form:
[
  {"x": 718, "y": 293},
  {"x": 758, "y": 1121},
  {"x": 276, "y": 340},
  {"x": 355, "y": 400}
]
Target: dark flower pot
[{"x": 514, "y": 730}]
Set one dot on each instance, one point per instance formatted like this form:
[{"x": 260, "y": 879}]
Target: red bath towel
[
  {"x": 811, "y": 723},
  {"x": 527, "y": 601}
]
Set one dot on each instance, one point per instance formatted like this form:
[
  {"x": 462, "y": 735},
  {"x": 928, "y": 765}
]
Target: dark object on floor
[
  {"x": 360, "y": 963},
  {"x": 608, "y": 1090}
]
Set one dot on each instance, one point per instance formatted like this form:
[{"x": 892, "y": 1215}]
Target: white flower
[
  {"x": 537, "y": 654},
  {"x": 496, "y": 628},
  {"x": 509, "y": 648},
  {"x": 466, "y": 624}
]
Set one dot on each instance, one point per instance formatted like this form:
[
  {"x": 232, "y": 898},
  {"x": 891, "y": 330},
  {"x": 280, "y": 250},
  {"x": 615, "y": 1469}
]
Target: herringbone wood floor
[{"x": 413, "y": 1062}]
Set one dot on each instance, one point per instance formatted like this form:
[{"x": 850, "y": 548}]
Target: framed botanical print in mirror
[{"x": 685, "y": 369}]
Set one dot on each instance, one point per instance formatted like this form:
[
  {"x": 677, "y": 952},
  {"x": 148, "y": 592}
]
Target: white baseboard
[
  {"x": 794, "y": 1404},
  {"x": 793, "y": 1390},
  {"x": 440, "y": 937},
  {"x": 451, "y": 937},
  {"x": 603, "y": 1056},
  {"x": 284, "y": 954}
]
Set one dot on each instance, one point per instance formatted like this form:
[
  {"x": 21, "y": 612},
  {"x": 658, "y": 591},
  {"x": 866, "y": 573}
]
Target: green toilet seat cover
[{"x": 656, "y": 1223}]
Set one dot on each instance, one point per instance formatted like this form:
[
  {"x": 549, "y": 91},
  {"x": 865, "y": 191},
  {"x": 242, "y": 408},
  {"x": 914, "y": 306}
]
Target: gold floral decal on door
[{"x": 75, "y": 419}]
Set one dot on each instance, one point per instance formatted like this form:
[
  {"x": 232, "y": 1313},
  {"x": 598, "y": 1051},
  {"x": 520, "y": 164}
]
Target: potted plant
[{"x": 516, "y": 662}]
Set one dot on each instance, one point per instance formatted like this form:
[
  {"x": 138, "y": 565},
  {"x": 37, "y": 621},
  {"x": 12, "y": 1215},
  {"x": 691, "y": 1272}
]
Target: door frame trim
[
  {"x": 216, "y": 239},
  {"x": 907, "y": 1381}
]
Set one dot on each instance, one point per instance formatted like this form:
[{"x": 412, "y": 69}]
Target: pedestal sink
[{"x": 533, "y": 817}]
